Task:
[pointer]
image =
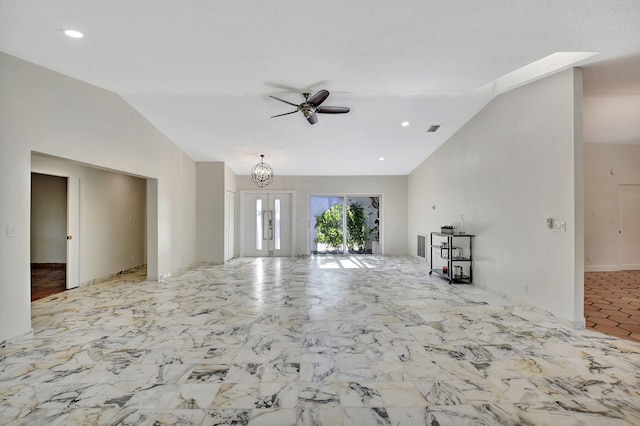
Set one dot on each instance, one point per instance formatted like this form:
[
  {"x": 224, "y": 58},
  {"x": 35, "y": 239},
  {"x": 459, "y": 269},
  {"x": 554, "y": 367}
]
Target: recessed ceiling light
[
  {"x": 405, "y": 123},
  {"x": 73, "y": 33},
  {"x": 381, "y": 158}
]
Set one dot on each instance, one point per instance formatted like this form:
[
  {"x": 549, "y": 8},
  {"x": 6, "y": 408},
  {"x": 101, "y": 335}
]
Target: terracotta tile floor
[
  {"x": 612, "y": 303},
  {"x": 47, "y": 279}
]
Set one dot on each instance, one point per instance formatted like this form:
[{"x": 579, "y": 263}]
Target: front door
[{"x": 268, "y": 225}]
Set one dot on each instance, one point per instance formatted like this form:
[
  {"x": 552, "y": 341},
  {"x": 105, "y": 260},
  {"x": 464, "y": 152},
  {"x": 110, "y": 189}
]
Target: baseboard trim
[
  {"x": 630, "y": 267},
  {"x": 115, "y": 274},
  {"x": 14, "y": 339},
  {"x": 601, "y": 268}
]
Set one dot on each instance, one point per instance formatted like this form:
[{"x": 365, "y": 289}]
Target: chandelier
[{"x": 261, "y": 173}]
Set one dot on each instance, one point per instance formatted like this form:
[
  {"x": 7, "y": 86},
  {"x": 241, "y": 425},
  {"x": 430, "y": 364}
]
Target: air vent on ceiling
[{"x": 433, "y": 128}]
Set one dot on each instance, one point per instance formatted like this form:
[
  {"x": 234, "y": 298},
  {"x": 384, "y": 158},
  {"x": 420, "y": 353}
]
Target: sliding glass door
[
  {"x": 344, "y": 224},
  {"x": 327, "y": 224}
]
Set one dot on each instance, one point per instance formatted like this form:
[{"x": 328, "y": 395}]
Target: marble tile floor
[{"x": 361, "y": 340}]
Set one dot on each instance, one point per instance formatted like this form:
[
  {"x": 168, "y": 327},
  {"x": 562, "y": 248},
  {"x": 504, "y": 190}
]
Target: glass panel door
[
  {"x": 259, "y": 224},
  {"x": 345, "y": 224},
  {"x": 327, "y": 224},
  {"x": 268, "y": 224},
  {"x": 363, "y": 220}
]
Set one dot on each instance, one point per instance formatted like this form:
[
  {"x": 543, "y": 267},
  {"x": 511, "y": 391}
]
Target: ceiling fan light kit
[
  {"x": 311, "y": 106},
  {"x": 261, "y": 173}
]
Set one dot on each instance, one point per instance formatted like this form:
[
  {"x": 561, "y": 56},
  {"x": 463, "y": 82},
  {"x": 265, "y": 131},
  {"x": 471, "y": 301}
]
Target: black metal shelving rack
[{"x": 437, "y": 248}]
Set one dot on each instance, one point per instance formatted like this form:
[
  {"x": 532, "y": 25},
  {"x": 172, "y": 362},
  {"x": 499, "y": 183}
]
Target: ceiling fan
[{"x": 311, "y": 106}]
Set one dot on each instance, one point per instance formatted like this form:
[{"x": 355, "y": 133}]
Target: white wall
[
  {"x": 210, "y": 195},
  {"x": 46, "y": 112},
  {"x": 394, "y": 203},
  {"x": 213, "y": 180},
  {"x": 112, "y": 217},
  {"x": 508, "y": 169},
  {"x": 601, "y": 205},
  {"x": 48, "y": 219}
]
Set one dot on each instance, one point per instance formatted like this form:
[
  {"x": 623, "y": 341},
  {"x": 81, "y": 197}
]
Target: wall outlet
[{"x": 13, "y": 231}]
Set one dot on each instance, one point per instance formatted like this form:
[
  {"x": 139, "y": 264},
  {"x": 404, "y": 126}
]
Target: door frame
[
  {"x": 241, "y": 213},
  {"x": 229, "y": 225}
]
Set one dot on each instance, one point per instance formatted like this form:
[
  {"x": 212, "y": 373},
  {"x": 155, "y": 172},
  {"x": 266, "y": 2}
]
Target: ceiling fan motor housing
[{"x": 307, "y": 110}]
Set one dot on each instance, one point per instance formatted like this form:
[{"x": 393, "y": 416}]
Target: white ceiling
[{"x": 202, "y": 70}]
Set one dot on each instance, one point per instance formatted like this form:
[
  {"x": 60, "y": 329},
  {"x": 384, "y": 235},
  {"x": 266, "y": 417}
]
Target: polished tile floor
[
  {"x": 612, "y": 303},
  {"x": 310, "y": 341},
  {"x": 47, "y": 279}
]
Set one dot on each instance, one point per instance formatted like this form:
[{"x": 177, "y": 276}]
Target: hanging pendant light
[{"x": 261, "y": 173}]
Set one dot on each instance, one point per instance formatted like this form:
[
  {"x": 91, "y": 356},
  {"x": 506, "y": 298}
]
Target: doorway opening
[
  {"x": 612, "y": 295},
  {"x": 48, "y": 235},
  {"x": 345, "y": 224},
  {"x": 118, "y": 223}
]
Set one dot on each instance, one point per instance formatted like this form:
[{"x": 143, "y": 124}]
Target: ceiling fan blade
[
  {"x": 319, "y": 97},
  {"x": 286, "y": 113},
  {"x": 313, "y": 118},
  {"x": 284, "y": 87},
  {"x": 282, "y": 100},
  {"x": 292, "y": 89},
  {"x": 332, "y": 110}
]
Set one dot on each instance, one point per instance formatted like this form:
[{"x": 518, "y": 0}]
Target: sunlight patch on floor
[{"x": 343, "y": 262}]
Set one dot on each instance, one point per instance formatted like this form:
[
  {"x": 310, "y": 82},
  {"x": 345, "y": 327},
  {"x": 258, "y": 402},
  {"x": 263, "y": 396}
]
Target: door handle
[
  {"x": 264, "y": 218},
  {"x": 271, "y": 224}
]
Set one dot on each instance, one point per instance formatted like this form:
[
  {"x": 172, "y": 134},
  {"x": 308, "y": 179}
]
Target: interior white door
[
  {"x": 268, "y": 225},
  {"x": 629, "y": 199},
  {"x": 229, "y": 225},
  {"x": 73, "y": 232}
]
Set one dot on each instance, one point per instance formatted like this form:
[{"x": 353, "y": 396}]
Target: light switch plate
[{"x": 13, "y": 231}]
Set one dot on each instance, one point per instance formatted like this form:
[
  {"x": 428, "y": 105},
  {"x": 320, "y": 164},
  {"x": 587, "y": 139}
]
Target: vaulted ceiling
[{"x": 202, "y": 71}]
